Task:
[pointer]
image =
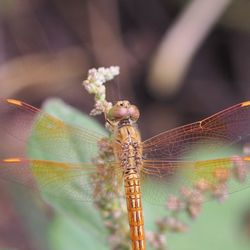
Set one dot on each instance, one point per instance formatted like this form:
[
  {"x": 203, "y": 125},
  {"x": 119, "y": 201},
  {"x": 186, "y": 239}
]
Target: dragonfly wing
[
  {"x": 49, "y": 137},
  {"x": 163, "y": 178},
  {"x": 77, "y": 181},
  {"x": 215, "y": 132}
]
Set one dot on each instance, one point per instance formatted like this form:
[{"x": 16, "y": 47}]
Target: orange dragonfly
[{"x": 66, "y": 168}]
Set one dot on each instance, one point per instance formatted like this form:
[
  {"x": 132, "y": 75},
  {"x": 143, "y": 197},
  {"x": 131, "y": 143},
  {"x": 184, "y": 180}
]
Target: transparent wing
[
  {"x": 50, "y": 138},
  {"x": 162, "y": 178},
  {"x": 173, "y": 159},
  {"x": 78, "y": 181},
  {"x": 213, "y": 133}
]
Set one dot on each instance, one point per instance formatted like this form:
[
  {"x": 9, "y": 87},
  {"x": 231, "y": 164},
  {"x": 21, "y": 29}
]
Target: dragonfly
[{"x": 143, "y": 168}]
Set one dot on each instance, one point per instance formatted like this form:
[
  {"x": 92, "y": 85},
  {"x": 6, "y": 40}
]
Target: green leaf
[
  {"x": 219, "y": 225},
  {"x": 65, "y": 235},
  {"x": 81, "y": 214}
]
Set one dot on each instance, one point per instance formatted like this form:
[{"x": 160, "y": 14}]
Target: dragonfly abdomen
[
  {"x": 132, "y": 166},
  {"x": 134, "y": 208}
]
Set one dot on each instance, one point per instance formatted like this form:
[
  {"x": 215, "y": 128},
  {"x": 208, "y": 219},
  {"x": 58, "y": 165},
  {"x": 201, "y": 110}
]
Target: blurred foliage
[
  {"x": 64, "y": 235},
  {"x": 35, "y": 218},
  {"x": 82, "y": 218},
  {"x": 219, "y": 225}
]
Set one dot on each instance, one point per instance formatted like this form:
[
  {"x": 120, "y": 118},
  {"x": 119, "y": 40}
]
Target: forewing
[
  {"x": 213, "y": 133},
  {"x": 49, "y": 138}
]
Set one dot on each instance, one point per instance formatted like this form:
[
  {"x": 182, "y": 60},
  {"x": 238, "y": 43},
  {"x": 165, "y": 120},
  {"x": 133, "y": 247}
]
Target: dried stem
[{"x": 179, "y": 45}]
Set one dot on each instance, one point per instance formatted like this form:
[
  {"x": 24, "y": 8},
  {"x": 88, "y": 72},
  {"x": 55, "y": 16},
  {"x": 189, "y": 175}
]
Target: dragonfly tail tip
[
  {"x": 12, "y": 160},
  {"x": 244, "y": 104},
  {"x": 14, "y": 101}
]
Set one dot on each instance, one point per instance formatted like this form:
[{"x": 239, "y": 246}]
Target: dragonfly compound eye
[
  {"x": 118, "y": 113},
  {"x": 134, "y": 113}
]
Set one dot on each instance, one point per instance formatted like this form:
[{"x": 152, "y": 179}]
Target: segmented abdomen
[{"x": 134, "y": 207}]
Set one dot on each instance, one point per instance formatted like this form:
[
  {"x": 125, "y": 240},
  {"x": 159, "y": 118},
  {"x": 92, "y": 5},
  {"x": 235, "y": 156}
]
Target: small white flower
[
  {"x": 100, "y": 93},
  {"x": 101, "y": 107},
  {"x": 111, "y": 72},
  {"x": 94, "y": 84},
  {"x": 90, "y": 88}
]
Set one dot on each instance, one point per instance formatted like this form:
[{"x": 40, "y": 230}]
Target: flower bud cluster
[
  {"x": 108, "y": 196},
  {"x": 94, "y": 84}
]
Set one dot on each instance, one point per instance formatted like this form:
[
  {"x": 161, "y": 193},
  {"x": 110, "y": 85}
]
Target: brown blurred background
[{"x": 179, "y": 61}]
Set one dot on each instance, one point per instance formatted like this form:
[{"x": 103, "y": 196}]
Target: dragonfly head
[{"x": 123, "y": 110}]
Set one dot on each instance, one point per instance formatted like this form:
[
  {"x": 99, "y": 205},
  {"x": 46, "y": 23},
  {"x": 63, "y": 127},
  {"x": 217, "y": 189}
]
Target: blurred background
[{"x": 180, "y": 61}]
